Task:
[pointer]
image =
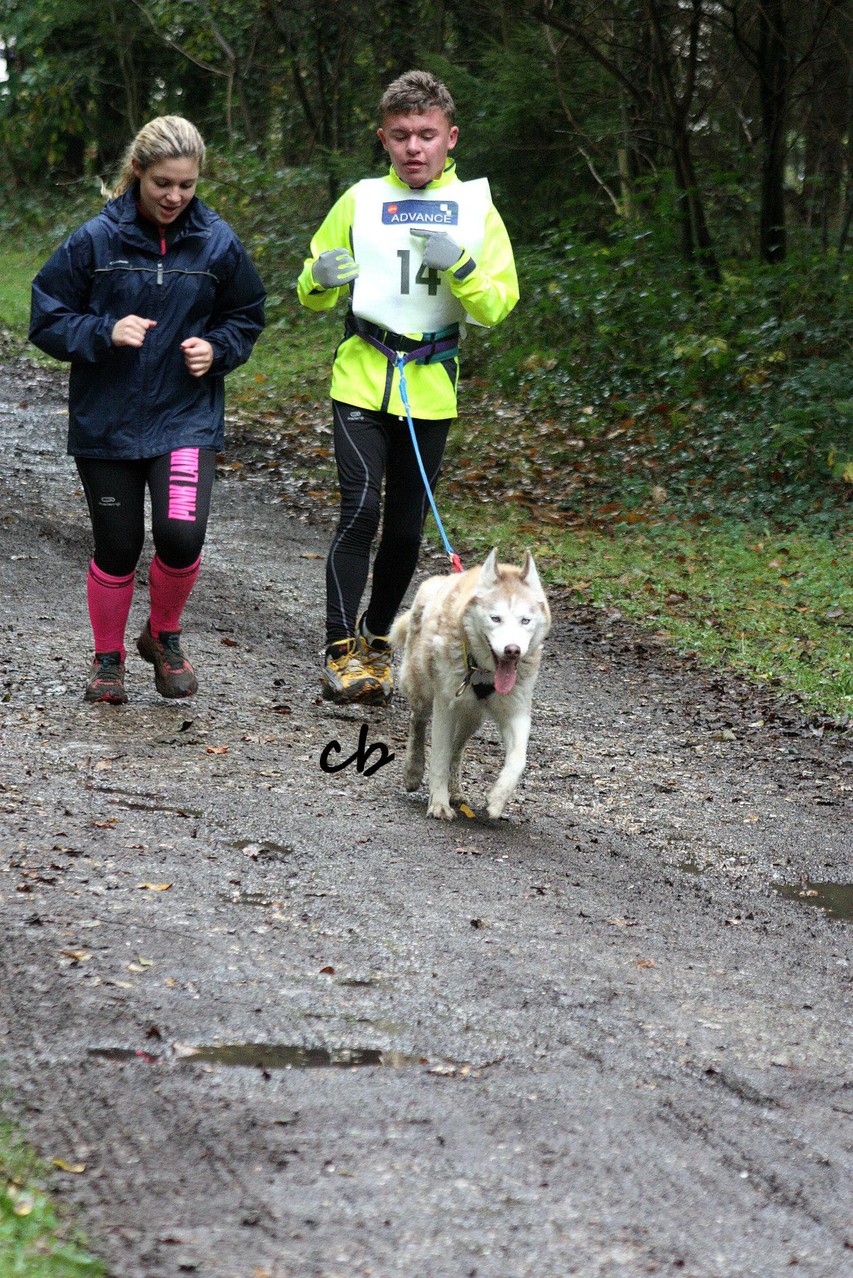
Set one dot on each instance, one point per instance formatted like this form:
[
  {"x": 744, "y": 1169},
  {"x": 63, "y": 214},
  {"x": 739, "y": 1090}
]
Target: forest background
[{"x": 667, "y": 417}]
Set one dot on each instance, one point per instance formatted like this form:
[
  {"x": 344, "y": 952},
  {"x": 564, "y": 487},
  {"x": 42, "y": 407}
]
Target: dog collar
[{"x": 482, "y": 688}]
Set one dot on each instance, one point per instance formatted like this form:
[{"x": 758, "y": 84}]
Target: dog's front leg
[
  {"x": 515, "y": 731},
  {"x": 440, "y": 760}
]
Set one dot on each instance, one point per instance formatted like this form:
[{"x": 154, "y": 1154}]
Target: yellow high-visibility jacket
[{"x": 488, "y": 290}]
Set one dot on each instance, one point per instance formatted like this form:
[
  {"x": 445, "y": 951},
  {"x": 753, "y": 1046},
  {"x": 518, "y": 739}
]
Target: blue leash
[{"x": 404, "y": 395}]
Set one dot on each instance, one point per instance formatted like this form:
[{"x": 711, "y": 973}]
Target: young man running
[{"x": 415, "y": 254}]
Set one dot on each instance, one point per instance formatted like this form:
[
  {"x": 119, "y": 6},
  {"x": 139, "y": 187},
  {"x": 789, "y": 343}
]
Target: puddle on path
[
  {"x": 146, "y": 802},
  {"x": 159, "y": 807},
  {"x": 269, "y": 1056},
  {"x": 834, "y": 899},
  {"x": 123, "y": 1054},
  {"x": 275, "y": 1056}
]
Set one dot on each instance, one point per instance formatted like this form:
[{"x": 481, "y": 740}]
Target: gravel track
[{"x": 331, "y": 1039}]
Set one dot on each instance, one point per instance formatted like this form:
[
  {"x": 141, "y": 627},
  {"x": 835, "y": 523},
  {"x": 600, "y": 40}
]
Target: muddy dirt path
[{"x": 279, "y": 1024}]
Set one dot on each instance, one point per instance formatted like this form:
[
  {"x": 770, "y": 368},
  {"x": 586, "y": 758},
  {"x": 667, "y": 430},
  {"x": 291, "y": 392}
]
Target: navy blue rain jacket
[{"x": 137, "y": 403}]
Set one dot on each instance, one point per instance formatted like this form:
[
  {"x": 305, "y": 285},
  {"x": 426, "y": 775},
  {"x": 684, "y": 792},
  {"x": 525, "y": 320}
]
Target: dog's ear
[
  {"x": 489, "y": 570},
  {"x": 529, "y": 575}
]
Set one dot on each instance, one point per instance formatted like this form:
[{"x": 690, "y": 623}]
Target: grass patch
[
  {"x": 19, "y": 267},
  {"x": 288, "y": 363},
  {"x": 35, "y": 1241},
  {"x": 774, "y": 606}
]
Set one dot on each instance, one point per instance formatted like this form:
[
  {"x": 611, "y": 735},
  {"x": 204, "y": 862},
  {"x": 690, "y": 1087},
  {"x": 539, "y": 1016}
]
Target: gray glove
[
  {"x": 440, "y": 251},
  {"x": 334, "y": 268}
]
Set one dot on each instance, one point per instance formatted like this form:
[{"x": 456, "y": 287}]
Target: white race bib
[{"x": 393, "y": 288}]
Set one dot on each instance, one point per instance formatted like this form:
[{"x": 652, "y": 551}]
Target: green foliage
[
  {"x": 35, "y": 1242},
  {"x": 74, "y": 69},
  {"x": 514, "y": 130},
  {"x": 734, "y": 400}
]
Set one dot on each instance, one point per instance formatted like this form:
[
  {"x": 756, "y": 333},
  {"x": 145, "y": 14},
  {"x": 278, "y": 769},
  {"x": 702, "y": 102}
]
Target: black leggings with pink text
[{"x": 180, "y": 484}]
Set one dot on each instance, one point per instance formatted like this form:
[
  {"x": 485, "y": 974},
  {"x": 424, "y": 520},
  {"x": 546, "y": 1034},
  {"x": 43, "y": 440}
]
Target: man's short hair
[{"x": 415, "y": 93}]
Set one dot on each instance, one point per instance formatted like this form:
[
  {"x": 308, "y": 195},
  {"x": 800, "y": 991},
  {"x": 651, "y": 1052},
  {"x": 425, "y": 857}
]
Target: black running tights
[{"x": 369, "y": 445}]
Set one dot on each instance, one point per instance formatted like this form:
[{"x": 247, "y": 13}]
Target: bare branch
[{"x": 173, "y": 44}]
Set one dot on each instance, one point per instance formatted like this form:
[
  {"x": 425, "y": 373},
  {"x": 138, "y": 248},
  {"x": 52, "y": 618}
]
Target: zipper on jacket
[{"x": 159, "y": 272}]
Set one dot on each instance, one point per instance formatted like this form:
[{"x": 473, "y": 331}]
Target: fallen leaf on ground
[
  {"x": 218, "y": 749},
  {"x": 184, "y": 1049},
  {"x": 466, "y": 811},
  {"x": 76, "y": 1168},
  {"x": 155, "y": 887}
]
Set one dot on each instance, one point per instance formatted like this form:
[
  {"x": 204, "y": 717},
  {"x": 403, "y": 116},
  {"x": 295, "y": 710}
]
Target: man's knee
[{"x": 358, "y": 528}]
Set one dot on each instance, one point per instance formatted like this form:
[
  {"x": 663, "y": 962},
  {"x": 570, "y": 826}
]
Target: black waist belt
[{"x": 431, "y": 348}]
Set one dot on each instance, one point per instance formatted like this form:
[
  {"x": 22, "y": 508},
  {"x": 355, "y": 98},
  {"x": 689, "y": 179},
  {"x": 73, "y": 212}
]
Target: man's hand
[
  {"x": 440, "y": 251},
  {"x": 198, "y": 355},
  {"x": 131, "y": 331},
  {"x": 334, "y": 268}
]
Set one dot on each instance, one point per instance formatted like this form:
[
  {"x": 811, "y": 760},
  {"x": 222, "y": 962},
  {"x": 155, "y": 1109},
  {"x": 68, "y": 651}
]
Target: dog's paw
[
  {"x": 443, "y": 811},
  {"x": 495, "y": 809},
  {"x": 412, "y": 780}
]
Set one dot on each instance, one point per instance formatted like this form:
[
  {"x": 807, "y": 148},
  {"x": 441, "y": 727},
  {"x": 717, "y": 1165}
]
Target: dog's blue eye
[
  {"x": 494, "y": 617},
  {"x": 525, "y": 621}
]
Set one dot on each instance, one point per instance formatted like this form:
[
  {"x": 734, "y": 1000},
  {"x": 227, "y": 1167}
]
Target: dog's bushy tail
[{"x": 400, "y": 630}]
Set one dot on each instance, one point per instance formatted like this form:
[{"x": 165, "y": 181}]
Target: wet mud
[{"x": 287, "y": 1026}]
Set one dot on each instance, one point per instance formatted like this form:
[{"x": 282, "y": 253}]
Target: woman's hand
[
  {"x": 198, "y": 356},
  {"x": 131, "y": 331}
]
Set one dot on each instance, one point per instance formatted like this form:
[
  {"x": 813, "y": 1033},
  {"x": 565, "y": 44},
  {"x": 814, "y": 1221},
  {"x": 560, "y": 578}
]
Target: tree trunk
[
  {"x": 696, "y": 238},
  {"x": 773, "y": 89},
  {"x": 828, "y": 116}
]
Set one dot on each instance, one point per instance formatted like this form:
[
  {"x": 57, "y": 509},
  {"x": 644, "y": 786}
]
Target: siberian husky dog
[{"x": 472, "y": 643}]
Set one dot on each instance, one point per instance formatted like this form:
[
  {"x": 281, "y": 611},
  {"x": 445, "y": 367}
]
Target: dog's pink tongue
[{"x": 505, "y": 676}]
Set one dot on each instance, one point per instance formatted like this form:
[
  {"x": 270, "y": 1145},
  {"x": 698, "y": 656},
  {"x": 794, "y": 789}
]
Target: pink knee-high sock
[
  {"x": 109, "y": 604},
  {"x": 169, "y": 589}
]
